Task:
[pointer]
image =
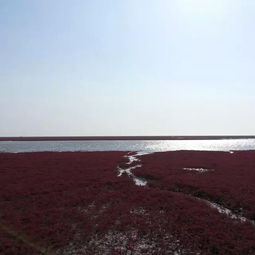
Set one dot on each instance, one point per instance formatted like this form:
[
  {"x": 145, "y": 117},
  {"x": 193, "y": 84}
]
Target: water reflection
[{"x": 141, "y": 146}]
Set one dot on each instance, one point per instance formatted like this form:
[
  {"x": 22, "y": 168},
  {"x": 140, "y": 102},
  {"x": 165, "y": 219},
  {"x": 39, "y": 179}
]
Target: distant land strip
[{"x": 107, "y": 138}]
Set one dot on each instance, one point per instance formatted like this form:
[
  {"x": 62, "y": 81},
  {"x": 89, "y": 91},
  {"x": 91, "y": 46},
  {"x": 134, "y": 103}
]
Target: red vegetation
[
  {"x": 229, "y": 180},
  {"x": 74, "y": 203}
]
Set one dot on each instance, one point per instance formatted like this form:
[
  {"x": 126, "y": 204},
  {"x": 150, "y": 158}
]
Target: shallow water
[
  {"x": 142, "y": 145},
  {"x": 128, "y": 170}
]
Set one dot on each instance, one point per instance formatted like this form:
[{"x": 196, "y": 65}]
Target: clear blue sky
[{"x": 147, "y": 67}]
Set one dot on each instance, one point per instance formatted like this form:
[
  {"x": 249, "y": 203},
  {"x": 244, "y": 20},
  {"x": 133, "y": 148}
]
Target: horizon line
[{"x": 97, "y": 138}]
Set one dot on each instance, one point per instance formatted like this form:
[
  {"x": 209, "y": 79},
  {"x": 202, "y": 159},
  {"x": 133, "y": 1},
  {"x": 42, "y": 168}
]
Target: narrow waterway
[{"x": 128, "y": 169}]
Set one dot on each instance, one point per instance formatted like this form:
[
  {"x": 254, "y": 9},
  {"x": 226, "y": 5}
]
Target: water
[
  {"x": 141, "y": 146},
  {"x": 128, "y": 170}
]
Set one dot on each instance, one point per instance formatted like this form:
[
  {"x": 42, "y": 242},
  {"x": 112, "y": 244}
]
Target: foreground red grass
[{"x": 74, "y": 203}]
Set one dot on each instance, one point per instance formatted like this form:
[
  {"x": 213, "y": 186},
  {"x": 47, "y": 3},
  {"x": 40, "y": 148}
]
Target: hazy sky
[{"x": 131, "y": 67}]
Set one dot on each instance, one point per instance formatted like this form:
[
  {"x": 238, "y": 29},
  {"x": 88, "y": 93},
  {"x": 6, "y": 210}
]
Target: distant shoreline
[{"x": 107, "y": 138}]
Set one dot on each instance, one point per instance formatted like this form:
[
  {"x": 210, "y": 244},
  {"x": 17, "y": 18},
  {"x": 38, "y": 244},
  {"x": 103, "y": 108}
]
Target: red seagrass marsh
[
  {"x": 126, "y": 127},
  {"x": 191, "y": 202}
]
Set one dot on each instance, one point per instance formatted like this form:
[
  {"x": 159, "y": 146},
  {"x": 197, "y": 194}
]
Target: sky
[{"x": 147, "y": 67}]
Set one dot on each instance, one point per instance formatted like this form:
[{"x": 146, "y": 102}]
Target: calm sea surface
[{"x": 143, "y": 146}]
